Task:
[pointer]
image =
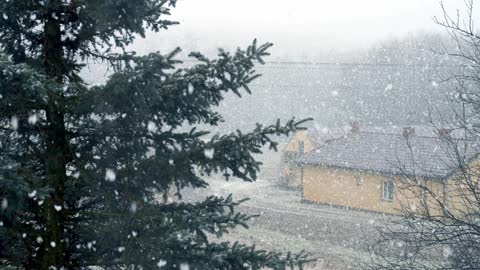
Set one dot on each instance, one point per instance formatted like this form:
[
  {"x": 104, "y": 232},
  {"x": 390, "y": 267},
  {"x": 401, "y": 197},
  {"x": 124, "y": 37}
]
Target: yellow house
[
  {"x": 301, "y": 143},
  {"x": 374, "y": 171}
]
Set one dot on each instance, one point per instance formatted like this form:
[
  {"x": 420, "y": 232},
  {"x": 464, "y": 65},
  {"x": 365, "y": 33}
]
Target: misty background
[{"x": 373, "y": 61}]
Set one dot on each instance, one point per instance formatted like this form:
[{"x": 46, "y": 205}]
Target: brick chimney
[
  {"x": 444, "y": 132},
  {"x": 408, "y": 132},
  {"x": 355, "y": 127}
]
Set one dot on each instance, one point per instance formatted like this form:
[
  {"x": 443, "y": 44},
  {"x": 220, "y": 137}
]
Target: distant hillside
[{"x": 396, "y": 83}]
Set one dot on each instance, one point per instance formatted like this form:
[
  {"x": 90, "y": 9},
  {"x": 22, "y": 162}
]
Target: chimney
[
  {"x": 408, "y": 132},
  {"x": 444, "y": 132},
  {"x": 355, "y": 127}
]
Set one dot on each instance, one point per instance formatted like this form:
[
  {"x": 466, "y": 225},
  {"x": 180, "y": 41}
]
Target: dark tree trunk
[{"x": 56, "y": 142}]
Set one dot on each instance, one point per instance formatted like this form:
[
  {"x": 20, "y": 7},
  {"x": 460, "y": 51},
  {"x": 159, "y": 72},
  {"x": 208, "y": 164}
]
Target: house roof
[
  {"x": 319, "y": 136},
  {"x": 424, "y": 156}
]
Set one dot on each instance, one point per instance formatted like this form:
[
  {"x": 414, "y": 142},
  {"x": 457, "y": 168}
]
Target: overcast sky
[{"x": 297, "y": 27}]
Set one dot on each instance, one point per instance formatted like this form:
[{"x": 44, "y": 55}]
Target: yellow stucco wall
[
  {"x": 463, "y": 190},
  {"x": 301, "y": 135},
  {"x": 291, "y": 173},
  {"x": 340, "y": 187}
]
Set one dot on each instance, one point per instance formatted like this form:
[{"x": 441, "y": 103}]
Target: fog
[
  {"x": 140, "y": 158},
  {"x": 371, "y": 61},
  {"x": 304, "y": 30}
]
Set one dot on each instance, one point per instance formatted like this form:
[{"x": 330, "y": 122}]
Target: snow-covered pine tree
[{"x": 80, "y": 166}]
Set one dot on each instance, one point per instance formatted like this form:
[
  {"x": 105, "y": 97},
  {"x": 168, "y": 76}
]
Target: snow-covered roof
[
  {"x": 319, "y": 136},
  {"x": 392, "y": 153}
]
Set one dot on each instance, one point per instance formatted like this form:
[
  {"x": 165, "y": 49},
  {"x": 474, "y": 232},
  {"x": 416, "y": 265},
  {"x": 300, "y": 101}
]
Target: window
[
  {"x": 301, "y": 147},
  {"x": 359, "y": 180},
  {"x": 388, "y": 190}
]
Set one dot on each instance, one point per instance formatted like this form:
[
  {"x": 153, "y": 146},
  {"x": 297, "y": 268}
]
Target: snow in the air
[
  {"x": 14, "y": 122},
  {"x": 4, "y": 204},
  {"x": 388, "y": 87},
  {"x": 133, "y": 207},
  {"x": 209, "y": 153},
  {"x": 32, "y": 119},
  {"x": 32, "y": 194},
  {"x": 383, "y": 84},
  {"x": 190, "y": 88},
  {"x": 152, "y": 127},
  {"x": 110, "y": 175},
  {"x": 447, "y": 251},
  {"x": 161, "y": 263}
]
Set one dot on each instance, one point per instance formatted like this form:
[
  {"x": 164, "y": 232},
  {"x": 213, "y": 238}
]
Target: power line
[
  {"x": 309, "y": 63},
  {"x": 303, "y": 65}
]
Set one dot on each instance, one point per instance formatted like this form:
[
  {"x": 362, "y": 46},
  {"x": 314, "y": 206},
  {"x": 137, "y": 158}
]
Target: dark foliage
[{"x": 81, "y": 167}]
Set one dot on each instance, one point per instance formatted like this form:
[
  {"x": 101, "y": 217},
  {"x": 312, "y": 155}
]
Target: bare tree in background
[{"x": 440, "y": 227}]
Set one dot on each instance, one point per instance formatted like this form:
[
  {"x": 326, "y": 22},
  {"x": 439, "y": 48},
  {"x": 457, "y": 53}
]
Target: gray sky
[{"x": 298, "y": 28}]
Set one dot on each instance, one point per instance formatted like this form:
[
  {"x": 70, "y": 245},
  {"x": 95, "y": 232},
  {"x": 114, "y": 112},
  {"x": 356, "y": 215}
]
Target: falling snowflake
[
  {"x": 161, "y": 263},
  {"x": 389, "y": 87},
  {"x": 133, "y": 207},
  {"x": 447, "y": 251},
  {"x": 4, "y": 204},
  {"x": 14, "y": 122},
  {"x": 32, "y": 119},
  {"x": 110, "y": 175},
  {"x": 151, "y": 126},
  {"x": 190, "y": 88},
  {"x": 209, "y": 152},
  {"x": 32, "y": 194}
]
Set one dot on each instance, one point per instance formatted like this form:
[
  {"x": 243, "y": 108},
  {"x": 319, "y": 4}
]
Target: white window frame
[{"x": 387, "y": 193}]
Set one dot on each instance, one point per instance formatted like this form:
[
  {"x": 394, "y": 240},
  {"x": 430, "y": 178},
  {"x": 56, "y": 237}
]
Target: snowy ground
[{"x": 338, "y": 237}]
